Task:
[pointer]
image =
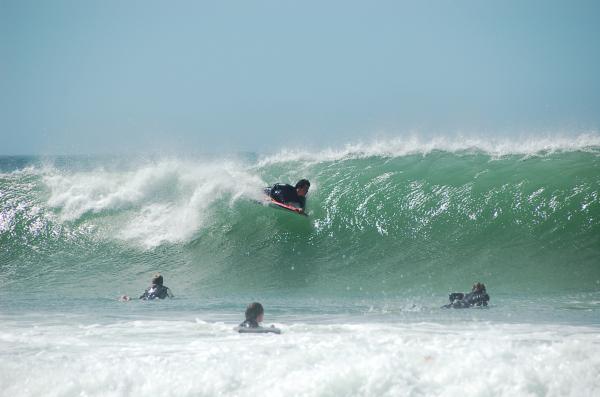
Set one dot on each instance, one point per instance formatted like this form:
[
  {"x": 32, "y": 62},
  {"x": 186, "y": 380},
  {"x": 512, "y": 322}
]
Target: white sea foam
[
  {"x": 65, "y": 357},
  {"x": 165, "y": 201},
  {"x": 416, "y": 144}
]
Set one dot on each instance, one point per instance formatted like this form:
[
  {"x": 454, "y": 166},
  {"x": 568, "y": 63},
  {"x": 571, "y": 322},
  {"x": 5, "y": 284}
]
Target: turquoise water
[
  {"x": 407, "y": 226},
  {"x": 360, "y": 281}
]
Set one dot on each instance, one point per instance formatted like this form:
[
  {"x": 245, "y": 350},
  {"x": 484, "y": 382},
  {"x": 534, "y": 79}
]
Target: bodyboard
[
  {"x": 276, "y": 204},
  {"x": 259, "y": 330}
]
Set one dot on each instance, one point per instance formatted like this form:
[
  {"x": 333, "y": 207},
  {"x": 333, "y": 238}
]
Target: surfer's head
[
  {"x": 478, "y": 287},
  {"x": 302, "y": 187},
  {"x": 157, "y": 279},
  {"x": 255, "y": 311}
]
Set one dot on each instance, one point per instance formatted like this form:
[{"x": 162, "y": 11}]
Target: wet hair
[
  {"x": 157, "y": 279},
  {"x": 479, "y": 287},
  {"x": 302, "y": 183},
  {"x": 254, "y": 310}
]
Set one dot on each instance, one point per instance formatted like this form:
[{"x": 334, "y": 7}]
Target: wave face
[{"x": 400, "y": 222}]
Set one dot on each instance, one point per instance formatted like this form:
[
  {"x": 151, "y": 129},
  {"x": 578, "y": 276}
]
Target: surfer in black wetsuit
[
  {"x": 477, "y": 297},
  {"x": 254, "y": 315},
  {"x": 157, "y": 290},
  {"x": 288, "y": 194}
]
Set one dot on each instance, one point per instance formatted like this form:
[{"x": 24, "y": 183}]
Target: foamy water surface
[{"x": 82, "y": 355}]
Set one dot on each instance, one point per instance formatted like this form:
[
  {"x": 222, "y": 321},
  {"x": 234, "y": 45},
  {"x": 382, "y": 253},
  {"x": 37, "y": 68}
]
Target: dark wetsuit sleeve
[
  {"x": 286, "y": 194},
  {"x": 456, "y": 296},
  {"x": 485, "y": 300},
  {"x": 469, "y": 299},
  {"x": 302, "y": 202},
  {"x": 477, "y": 298}
]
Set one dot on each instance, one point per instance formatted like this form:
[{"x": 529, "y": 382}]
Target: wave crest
[
  {"x": 169, "y": 199},
  {"x": 416, "y": 144}
]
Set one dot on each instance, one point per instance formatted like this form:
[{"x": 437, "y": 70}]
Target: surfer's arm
[
  {"x": 456, "y": 296},
  {"x": 170, "y": 293},
  {"x": 483, "y": 300},
  {"x": 301, "y": 204}
]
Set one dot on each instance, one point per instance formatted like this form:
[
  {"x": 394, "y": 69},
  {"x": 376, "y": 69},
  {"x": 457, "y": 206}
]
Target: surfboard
[
  {"x": 287, "y": 207},
  {"x": 259, "y": 330}
]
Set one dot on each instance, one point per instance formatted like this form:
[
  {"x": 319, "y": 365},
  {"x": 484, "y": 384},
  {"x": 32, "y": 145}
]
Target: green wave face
[{"x": 407, "y": 225}]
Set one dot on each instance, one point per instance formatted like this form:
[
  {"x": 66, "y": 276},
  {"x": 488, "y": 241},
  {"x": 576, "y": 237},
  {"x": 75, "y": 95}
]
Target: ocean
[{"x": 356, "y": 287}]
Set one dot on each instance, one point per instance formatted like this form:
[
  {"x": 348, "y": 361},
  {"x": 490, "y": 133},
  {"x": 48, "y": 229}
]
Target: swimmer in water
[
  {"x": 255, "y": 314},
  {"x": 155, "y": 291},
  {"x": 477, "y": 297}
]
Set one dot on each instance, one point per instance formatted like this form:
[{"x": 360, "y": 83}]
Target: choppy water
[{"x": 356, "y": 287}]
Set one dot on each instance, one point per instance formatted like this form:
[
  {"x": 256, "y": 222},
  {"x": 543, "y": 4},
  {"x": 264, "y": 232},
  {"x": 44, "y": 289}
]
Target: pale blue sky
[{"x": 208, "y": 76}]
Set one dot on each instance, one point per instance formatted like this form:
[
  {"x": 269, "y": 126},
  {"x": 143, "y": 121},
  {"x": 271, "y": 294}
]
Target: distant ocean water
[{"x": 356, "y": 287}]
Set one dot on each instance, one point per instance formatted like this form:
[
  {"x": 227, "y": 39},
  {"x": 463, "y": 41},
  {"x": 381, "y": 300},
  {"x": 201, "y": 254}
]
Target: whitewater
[{"x": 394, "y": 226}]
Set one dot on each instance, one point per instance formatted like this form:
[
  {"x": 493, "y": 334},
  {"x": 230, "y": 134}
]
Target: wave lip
[{"x": 414, "y": 144}]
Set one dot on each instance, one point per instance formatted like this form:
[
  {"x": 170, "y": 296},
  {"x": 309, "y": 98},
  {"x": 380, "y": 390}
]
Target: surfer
[
  {"x": 288, "y": 194},
  {"x": 477, "y": 297},
  {"x": 254, "y": 315},
  {"x": 157, "y": 289}
]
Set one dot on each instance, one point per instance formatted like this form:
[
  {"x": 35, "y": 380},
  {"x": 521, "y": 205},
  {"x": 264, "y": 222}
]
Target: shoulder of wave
[{"x": 401, "y": 146}]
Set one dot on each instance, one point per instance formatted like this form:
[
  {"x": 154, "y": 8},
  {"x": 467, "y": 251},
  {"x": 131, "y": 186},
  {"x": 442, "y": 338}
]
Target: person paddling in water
[
  {"x": 288, "y": 194},
  {"x": 477, "y": 297},
  {"x": 157, "y": 290},
  {"x": 255, "y": 314}
]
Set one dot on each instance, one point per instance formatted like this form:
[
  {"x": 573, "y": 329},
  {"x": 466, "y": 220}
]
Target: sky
[{"x": 106, "y": 76}]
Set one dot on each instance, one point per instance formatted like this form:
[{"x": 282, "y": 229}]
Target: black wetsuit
[
  {"x": 286, "y": 194},
  {"x": 458, "y": 300},
  {"x": 249, "y": 324},
  {"x": 156, "y": 291}
]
